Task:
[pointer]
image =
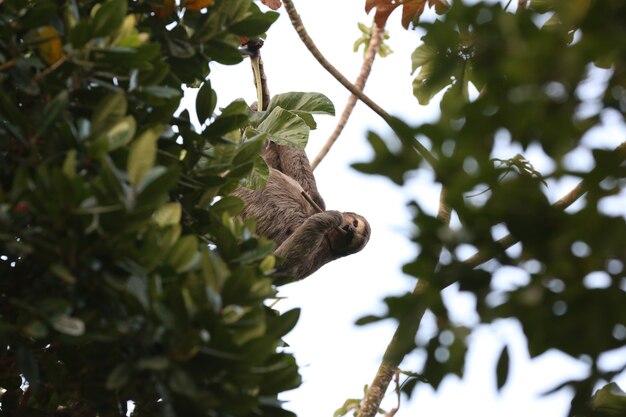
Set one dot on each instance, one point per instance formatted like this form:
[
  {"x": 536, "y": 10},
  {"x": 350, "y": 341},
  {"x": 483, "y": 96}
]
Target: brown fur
[{"x": 306, "y": 239}]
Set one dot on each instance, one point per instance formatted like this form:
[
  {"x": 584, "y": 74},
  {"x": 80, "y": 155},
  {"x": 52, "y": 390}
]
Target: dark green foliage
[
  {"x": 124, "y": 275},
  {"x": 529, "y": 80}
]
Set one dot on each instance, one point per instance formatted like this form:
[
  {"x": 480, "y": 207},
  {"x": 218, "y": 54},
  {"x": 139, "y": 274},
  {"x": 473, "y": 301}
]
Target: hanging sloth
[{"x": 307, "y": 239}]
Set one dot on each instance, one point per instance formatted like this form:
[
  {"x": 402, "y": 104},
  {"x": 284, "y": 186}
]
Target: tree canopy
[{"x": 128, "y": 284}]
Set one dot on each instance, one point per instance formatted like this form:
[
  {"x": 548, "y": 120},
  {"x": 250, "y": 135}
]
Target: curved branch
[
  {"x": 403, "y": 338},
  {"x": 366, "y": 68},
  {"x": 310, "y": 45}
]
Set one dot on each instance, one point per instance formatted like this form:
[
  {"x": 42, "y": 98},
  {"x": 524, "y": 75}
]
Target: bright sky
[{"x": 338, "y": 359}]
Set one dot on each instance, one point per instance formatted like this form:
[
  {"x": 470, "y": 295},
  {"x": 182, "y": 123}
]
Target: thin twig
[
  {"x": 8, "y": 64},
  {"x": 51, "y": 68},
  {"x": 308, "y": 198},
  {"x": 310, "y": 45},
  {"x": 366, "y": 69}
]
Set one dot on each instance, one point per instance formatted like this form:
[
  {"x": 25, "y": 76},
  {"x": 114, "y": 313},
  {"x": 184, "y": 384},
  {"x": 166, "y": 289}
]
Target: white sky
[{"x": 337, "y": 358}]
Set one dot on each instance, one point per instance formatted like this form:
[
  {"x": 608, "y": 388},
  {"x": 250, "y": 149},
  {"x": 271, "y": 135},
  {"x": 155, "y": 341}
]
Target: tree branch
[
  {"x": 403, "y": 339},
  {"x": 310, "y": 45},
  {"x": 366, "y": 68}
]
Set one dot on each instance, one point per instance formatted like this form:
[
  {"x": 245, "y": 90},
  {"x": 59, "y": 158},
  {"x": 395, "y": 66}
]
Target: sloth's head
[{"x": 351, "y": 236}]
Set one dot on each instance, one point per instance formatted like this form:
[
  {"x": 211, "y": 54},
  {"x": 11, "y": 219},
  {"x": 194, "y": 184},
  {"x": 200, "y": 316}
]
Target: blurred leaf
[
  {"x": 71, "y": 326},
  {"x": 118, "y": 377},
  {"x": 50, "y": 47},
  {"x": 206, "y": 101},
  {"x": 168, "y": 214},
  {"x": 609, "y": 399},
  {"x": 52, "y": 111},
  {"x": 230, "y": 205},
  {"x": 28, "y": 365},
  {"x": 119, "y": 134},
  {"x": 393, "y": 165},
  {"x": 184, "y": 253},
  {"x": 254, "y": 24},
  {"x": 109, "y": 17},
  {"x": 143, "y": 154},
  {"x": 502, "y": 368}
]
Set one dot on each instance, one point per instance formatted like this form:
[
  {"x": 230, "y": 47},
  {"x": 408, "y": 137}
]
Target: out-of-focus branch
[
  {"x": 408, "y": 326},
  {"x": 366, "y": 69},
  {"x": 564, "y": 202},
  {"x": 403, "y": 338}
]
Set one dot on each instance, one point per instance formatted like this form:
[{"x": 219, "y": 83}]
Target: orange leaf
[
  {"x": 383, "y": 10},
  {"x": 272, "y": 4},
  {"x": 197, "y": 5},
  {"x": 411, "y": 12},
  {"x": 441, "y": 6},
  {"x": 51, "y": 47},
  {"x": 164, "y": 9}
]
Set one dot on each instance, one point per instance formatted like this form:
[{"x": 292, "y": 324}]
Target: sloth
[{"x": 306, "y": 238}]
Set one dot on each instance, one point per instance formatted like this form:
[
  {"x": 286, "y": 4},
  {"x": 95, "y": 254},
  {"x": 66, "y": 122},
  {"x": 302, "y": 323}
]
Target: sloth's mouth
[{"x": 349, "y": 232}]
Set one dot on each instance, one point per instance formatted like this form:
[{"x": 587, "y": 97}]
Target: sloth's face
[{"x": 351, "y": 236}]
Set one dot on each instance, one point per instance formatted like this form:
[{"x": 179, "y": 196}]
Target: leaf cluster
[
  {"x": 125, "y": 275},
  {"x": 527, "y": 80}
]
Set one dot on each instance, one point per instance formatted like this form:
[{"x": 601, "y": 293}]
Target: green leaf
[
  {"x": 153, "y": 363},
  {"x": 184, "y": 253},
  {"x": 167, "y": 93},
  {"x": 118, "y": 135},
  {"x": 285, "y": 128},
  {"x": 27, "y": 363},
  {"x": 61, "y": 272},
  {"x": 502, "y": 368},
  {"x": 109, "y": 17},
  {"x": 168, "y": 214},
  {"x": 255, "y": 24},
  {"x": 69, "y": 165},
  {"x": 284, "y": 323},
  {"x": 80, "y": 34},
  {"x": 541, "y": 6},
  {"x": 71, "y": 326},
  {"x": 143, "y": 154},
  {"x": 109, "y": 110},
  {"x": 349, "y": 406},
  {"x": 229, "y": 204},
  {"x": 610, "y": 399},
  {"x": 206, "y": 100},
  {"x": 313, "y": 103},
  {"x": 423, "y": 55},
  {"x": 249, "y": 150},
  {"x": 119, "y": 376},
  {"x": 39, "y": 14},
  {"x": 52, "y": 111},
  {"x": 425, "y": 87},
  {"x": 224, "y": 53},
  {"x": 258, "y": 176}
]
